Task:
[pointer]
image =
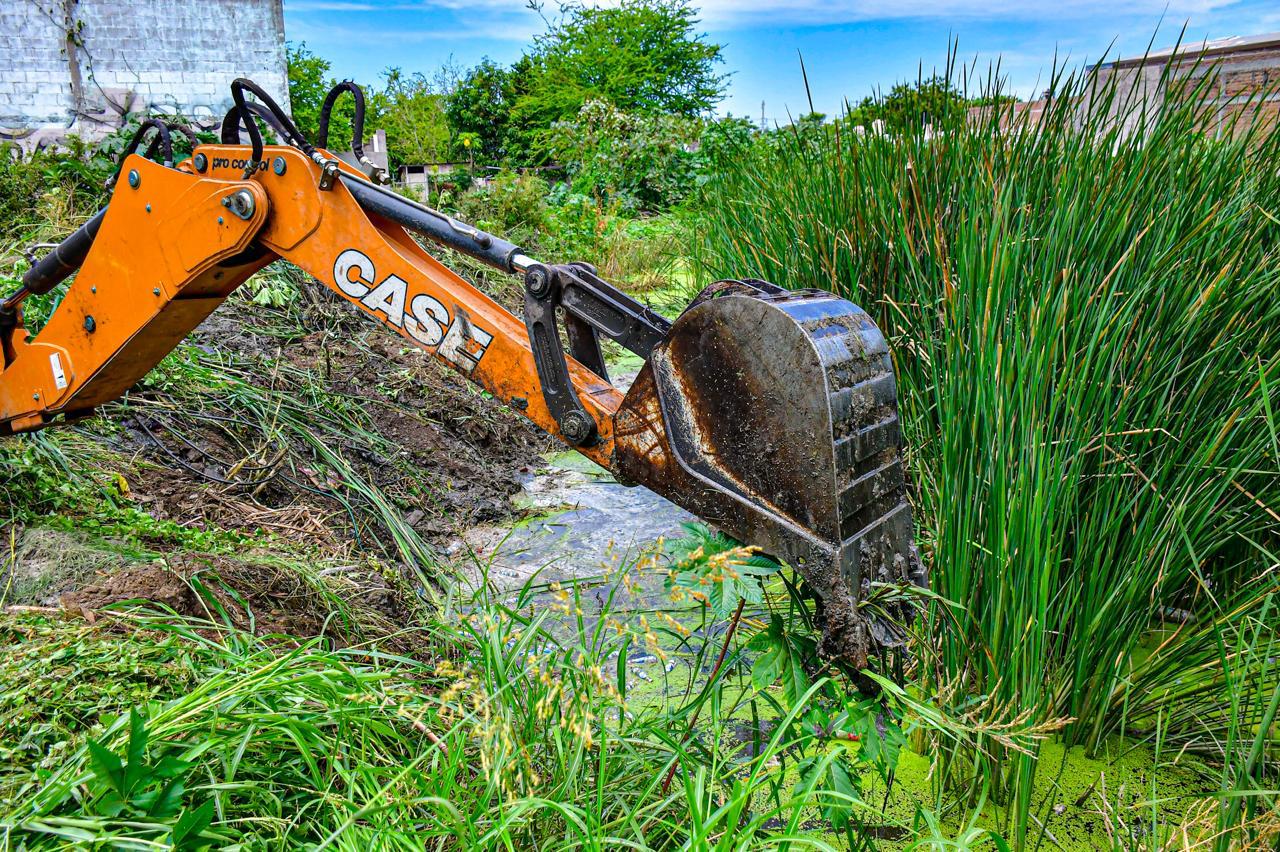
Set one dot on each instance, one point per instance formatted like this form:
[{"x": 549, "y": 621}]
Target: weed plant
[{"x": 509, "y": 728}]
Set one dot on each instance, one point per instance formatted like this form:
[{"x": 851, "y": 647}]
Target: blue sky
[{"x": 849, "y": 46}]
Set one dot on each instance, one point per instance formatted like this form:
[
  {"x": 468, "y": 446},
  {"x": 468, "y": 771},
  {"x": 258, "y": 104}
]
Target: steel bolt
[
  {"x": 134, "y": 178},
  {"x": 90, "y": 325},
  {"x": 219, "y": 220},
  {"x": 576, "y": 426},
  {"x": 148, "y": 208},
  {"x": 201, "y": 162},
  {"x": 240, "y": 203},
  {"x": 278, "y": 165},
  {"x": 537, "y": 282},
  {"x": 155, "y": 291}
]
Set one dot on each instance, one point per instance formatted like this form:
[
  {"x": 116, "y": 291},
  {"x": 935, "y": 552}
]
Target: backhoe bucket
[{"x": 773, "y": 415}]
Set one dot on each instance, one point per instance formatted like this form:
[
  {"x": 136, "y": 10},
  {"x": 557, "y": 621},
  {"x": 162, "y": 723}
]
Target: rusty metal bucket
[{"x": 773, "y": 415}]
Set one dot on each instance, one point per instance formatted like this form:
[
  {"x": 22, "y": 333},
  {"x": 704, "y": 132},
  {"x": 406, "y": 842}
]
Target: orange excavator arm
[{"x": 769, "y": 413}]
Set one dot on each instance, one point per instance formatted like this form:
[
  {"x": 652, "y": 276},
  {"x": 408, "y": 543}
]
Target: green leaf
[
  {"x": 106, "y": 766},
  {"x": 186, "y": 833},
  {"x": 795, "y": 681},
  {"x": 136, "y": 767},
  {"x": 622, "y": 666},
  {"x": 768, "y": 666},
  {"x": 846, "y": 789},
  {"x": 166, "y": 801}
]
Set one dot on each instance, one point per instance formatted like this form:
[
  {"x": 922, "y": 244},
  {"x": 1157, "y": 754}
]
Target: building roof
[{"x": 1216, "y": 47}]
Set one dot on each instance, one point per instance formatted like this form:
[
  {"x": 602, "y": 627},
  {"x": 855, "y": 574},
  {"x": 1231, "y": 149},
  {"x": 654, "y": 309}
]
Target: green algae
[{"x": 1127, "y": 794}]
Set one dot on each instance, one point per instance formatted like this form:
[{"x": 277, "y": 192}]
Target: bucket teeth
[{"x": 773, "y": 415}]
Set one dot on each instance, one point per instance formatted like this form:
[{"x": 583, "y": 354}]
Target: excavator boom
[{"x": 769, "y": 413}]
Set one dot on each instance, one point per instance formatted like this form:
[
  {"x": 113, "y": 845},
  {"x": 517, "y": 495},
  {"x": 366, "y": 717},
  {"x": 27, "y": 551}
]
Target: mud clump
[{"x": 148, "y": 582}]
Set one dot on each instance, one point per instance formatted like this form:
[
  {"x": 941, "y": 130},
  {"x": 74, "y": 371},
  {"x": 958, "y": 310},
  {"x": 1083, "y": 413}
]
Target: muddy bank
[{"x": 446, "y": 455}]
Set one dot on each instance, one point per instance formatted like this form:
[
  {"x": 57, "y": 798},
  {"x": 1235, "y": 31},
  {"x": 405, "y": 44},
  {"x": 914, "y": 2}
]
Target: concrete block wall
[{"x": 77, "y": 67}]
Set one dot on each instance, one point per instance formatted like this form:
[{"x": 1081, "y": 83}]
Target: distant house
[
  {"x": 421, "y": 177},
  {"x": 1242, "y": 74}
]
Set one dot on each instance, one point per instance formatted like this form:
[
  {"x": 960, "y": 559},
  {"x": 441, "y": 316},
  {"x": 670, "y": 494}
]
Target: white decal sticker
[
  {"x": 455, "y": 346},
  {"x": 424, "y": 318},
  {"x": 59, "y": 377},
  {"x": 353, "y": 260},
  {"x": 388, "y": 297},
  {"x": 429, "y": 320}
]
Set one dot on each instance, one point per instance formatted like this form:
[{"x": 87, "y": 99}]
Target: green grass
[
  {"x": 496, "y": 734},
  {"x": 1086, "y": 329}
]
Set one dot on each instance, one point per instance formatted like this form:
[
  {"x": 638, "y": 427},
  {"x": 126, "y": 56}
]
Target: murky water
[{"x": 580, "y": 522}]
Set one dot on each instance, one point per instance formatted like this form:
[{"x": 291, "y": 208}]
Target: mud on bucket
[{"x": 773, "y": 415}]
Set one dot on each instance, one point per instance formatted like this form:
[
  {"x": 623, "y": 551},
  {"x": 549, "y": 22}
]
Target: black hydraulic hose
[
  {"x": 230, "y": 131},
  {"x": 61, "y": 261},
  {"x": 433, "y": 224},
  {"x": 173, "y": 126},
  {"x": 187, "y": 132},
  {"x": 165, "y": 140},
  {"x": 246, "y": 119},
  {"x": 357, "y": 123},
  {"x": 238, "y": 88}
]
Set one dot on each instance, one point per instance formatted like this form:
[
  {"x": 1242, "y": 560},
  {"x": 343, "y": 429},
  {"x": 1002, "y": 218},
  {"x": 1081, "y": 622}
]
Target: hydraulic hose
[
  {"x": 173, "y": 126},
  {"x": 357, "y": 123},
  {"x": 357, "y": 126},
  {"x": 163, "y": 137},
  {"x": 238, "y": 87},
  {"x": 230, "y": 131}
]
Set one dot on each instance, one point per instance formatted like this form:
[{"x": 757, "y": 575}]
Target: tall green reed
[{"x": 1086, "y": 327}]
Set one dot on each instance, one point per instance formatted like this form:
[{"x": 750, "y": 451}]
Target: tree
[
  {"x": 309, "y": 82},
  {"x": 480, "y": 105},
  {"x": 644, "y": 57},
  {"x": 909, "y": 107},
  {"x": 413, "y": 116}
]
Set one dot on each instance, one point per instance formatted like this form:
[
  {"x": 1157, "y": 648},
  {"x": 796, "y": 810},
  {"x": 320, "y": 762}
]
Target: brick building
[
  {"x": 79, "y": 66},
  {"x": 1242, "y": 75}
]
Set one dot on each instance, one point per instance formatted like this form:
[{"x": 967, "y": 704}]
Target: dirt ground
[
  {"x": 246, "y": 594},
  {"x": 467, "y": 451},
  {"x": 456, "y": 457}
]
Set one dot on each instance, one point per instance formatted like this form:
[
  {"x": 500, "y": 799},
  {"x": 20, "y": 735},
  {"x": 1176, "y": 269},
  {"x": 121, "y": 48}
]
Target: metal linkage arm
[{"x": 590, "y": 306}]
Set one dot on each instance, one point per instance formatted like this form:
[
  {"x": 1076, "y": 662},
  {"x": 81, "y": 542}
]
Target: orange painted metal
[
  {"x": 150, "y": 278},
  {"x": 378, "y": 267},
  {"x": 180, "y": 247}
]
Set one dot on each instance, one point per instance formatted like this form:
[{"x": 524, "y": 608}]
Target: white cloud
[
  {"x": 808, "y": 12},
  {"x": 851, "y": 11}
]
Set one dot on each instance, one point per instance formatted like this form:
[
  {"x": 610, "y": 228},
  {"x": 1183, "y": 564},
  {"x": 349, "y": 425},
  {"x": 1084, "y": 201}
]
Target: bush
[
  {"x": 637, "y": 162},
  {"x": 513, "y": 206}
]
